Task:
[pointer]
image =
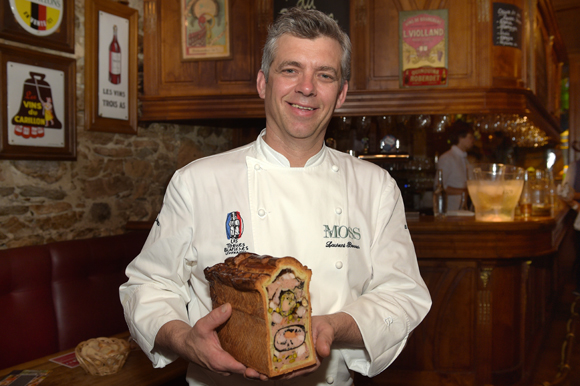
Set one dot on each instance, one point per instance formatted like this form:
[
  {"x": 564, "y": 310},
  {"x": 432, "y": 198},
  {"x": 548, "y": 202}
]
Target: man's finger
[
  {"x": 323, "y": 342},
  {"x": 217, "y": 317},
  {"x": 253, "y": 374}
]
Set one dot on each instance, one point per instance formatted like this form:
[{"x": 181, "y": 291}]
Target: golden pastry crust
[{"x": 270, "y": 326}]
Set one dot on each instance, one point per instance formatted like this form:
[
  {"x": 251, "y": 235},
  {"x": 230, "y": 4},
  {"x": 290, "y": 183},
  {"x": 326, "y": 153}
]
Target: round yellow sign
[{"x": 39, "y": 17}]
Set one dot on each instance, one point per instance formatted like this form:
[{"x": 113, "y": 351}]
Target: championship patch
[{"x": 234, "y": 231}]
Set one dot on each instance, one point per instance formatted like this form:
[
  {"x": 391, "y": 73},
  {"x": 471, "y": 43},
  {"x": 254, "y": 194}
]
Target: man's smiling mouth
[{"x": 302, "y": 107}]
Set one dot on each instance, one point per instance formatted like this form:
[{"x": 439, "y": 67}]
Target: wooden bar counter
[{"x": 493, "y": 286}]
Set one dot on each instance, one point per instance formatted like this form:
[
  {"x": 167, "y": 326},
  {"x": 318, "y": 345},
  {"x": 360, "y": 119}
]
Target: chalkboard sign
[
  {"x": 507, "y": 25},
  {"x": 337, "y": 9}
]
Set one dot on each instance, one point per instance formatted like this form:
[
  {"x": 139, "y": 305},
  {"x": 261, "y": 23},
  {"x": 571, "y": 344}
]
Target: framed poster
[
  {"x": 110, "y": 67},
  {"x": 423, "y": 48},
  {"x": 205, "y": 29},
  {"x": 37, "y": 100},
  {"x": 47, "y": 24}
]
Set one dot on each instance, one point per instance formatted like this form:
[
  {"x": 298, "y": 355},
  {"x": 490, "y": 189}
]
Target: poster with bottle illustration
[
  {"x": 423, "y": 48},
  {"x": 36, "y": 105},
  {"x": 113, "y": 69}
]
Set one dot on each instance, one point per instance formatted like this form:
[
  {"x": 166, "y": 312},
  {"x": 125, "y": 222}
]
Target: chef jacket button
[
  {"x": 389, "y": 320},
  {"x": 338, "y": 210},
  {"x": 338, "y": 264},
  {"x": 334, "y": 168},
  {"x": 329, "y": 380},
  {"x": 261, "y": 213},
  {"x": 257, "y": 167}
]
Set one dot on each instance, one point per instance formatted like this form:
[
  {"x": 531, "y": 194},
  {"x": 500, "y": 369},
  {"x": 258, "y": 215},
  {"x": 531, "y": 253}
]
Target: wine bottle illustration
[{"x": 115, "y": 59}]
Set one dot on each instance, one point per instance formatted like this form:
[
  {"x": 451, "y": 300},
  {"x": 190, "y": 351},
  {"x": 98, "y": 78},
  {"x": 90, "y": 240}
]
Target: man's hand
[
  {"x": 566, "y": 193},
  {"x": 200, "y": 343}
]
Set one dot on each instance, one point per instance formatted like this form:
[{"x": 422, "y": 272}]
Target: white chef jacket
[
  {"x": 340, "y": 216},
  {"x": 453, "y": 163}
]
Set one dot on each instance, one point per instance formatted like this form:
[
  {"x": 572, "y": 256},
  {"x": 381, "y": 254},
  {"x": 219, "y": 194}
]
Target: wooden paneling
[
  {"x": 229, "y": 76},
  {"x": 482, "y": 78},
  {"x": 177, "y": 89},
  {"x": 567, "y": 13},
  {"x": 473, "y": 60},
  {"x": 451, "y": 284},
  {"x": 508, "y": 62},
  {"x": 378, "y": 29}
]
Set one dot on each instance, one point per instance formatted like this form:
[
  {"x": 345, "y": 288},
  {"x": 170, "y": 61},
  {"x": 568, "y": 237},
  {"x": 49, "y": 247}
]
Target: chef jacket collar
[{"x": 267, "y": 153}]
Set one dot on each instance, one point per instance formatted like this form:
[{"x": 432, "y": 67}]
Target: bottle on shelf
[
  {"x": 439, "y": 197},
  {"x": 525, "y": 203},
  {"x": 115, "y": 59}
]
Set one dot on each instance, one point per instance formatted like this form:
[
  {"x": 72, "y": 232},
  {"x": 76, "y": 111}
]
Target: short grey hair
[{"x": 306, "y": 24}]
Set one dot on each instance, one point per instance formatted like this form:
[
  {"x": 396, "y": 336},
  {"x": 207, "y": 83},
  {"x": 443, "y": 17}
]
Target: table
[{"x": 137, "y": 370}]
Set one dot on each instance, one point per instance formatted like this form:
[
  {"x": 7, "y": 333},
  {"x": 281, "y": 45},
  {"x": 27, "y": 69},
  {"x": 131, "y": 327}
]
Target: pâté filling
[{"x": 287, "y": 313}]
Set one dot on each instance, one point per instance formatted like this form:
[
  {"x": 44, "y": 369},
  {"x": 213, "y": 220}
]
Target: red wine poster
[
  {"x": 113, "y": 66},
  {"x": 423, "y": 48}
]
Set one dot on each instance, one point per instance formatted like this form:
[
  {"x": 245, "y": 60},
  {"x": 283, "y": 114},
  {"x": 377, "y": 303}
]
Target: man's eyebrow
[
  {"x": 329, "y": 69},
  {"x": 290, "y": 63},
  {"x": 293, "y": 63}
]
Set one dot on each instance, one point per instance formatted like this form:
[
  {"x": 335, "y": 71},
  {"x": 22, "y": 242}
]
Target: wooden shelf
[{"x": 483, "y": 78}]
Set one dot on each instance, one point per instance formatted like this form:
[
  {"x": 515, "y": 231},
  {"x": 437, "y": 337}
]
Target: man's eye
[{"x": 327, "y": 76}]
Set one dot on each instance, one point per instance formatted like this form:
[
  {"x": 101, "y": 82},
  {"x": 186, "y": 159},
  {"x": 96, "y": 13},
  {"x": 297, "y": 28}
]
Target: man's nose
[{"x": 306, "y": 85}]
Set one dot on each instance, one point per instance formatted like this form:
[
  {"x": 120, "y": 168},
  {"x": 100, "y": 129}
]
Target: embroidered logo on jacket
[
  {"x": 234, "y": 231},
  {"x": 339, "y": 234}
]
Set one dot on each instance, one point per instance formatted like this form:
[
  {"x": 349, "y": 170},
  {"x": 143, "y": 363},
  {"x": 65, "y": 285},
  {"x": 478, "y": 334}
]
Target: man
[
  {"x": 454, "y": 164},
  {"x": 286, "y": 194}
]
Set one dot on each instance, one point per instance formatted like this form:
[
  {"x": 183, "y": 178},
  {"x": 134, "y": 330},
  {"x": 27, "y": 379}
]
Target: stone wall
[{"x": 116, "y": 177}]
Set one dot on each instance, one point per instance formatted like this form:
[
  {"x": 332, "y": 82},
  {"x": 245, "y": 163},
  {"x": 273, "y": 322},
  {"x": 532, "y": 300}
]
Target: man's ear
[
  {"x": 261, "y": 84},
  {"x": 341, "y": 95}
]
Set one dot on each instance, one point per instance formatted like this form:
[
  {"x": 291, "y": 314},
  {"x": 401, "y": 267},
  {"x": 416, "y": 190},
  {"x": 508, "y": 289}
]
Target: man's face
[
  {"x": 466, "y": 142},
  {"x": 303, "y": 88}
]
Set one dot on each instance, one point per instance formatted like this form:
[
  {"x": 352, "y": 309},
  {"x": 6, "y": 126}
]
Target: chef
[{"x": 286, "y": 194}]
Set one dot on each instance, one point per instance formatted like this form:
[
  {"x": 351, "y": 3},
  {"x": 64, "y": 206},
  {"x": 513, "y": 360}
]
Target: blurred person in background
[{"x": 454, "y": 163}]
